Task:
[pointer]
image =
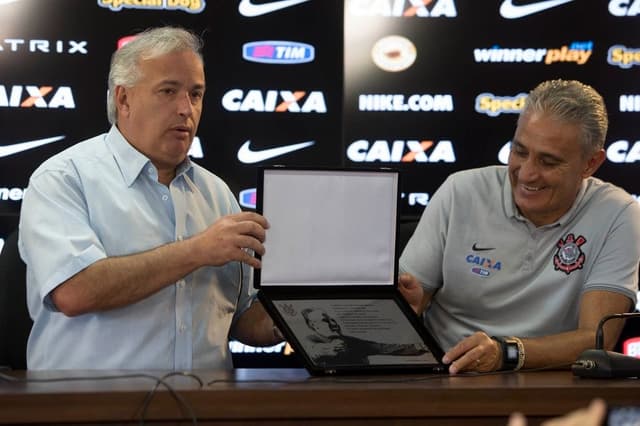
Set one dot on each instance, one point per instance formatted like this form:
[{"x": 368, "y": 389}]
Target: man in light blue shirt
[{"x": 136, "y": 257}]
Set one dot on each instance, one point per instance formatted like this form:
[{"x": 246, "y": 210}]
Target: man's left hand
[{"x": 478, "y": 352}]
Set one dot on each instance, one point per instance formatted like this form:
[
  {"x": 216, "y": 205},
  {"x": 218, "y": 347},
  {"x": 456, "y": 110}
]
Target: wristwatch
[{"x": 510, "y": 352}]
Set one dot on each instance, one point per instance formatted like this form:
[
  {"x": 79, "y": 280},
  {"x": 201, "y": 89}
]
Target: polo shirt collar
[{"x": 132, "y": 162}]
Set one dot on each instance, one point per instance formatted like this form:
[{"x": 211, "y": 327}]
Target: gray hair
[
  {"x": 125, "y": 62},
  {"x": 573, "y": 102}
]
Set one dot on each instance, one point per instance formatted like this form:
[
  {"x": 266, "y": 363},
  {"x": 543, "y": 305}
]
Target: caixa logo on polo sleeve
[{"x": 569, "y": 256}]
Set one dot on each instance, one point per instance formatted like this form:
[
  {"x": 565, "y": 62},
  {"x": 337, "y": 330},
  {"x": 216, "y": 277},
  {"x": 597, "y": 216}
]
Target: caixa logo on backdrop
[
  {"x": 619, "y": 152},
  {"x": 297, "y": 101},
  {"x": 623, "y": 151},
  {"x": 190, "y": 6},
  {"x": 624, "y": 7},
  {"x": 401, "y": 151},
  {"x": 278, "y": 52},
  {"x": 35, "y": 96},
  {"x": 403, "y": 8}
]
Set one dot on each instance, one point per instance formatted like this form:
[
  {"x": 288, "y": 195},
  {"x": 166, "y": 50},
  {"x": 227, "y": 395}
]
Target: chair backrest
[
  {"x": 405, "y": 231},
  {"x": 15, "y": 323}
]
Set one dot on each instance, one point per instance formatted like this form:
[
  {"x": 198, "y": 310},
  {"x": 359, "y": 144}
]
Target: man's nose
[
  {"x": 185, "y": 107},
  {"x": 529, "y": 169}
]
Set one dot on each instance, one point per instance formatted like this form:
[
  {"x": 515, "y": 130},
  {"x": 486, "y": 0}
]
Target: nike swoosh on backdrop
[
  {"x": 249, "y": 9},
  {"x": 509, "y": 10},
  {"x": 15, "y": 148},
  {"x": 248, "y": 156}
]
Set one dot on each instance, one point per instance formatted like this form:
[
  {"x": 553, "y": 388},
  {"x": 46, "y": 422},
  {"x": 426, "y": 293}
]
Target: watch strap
[{"x": 510, "y": 353}]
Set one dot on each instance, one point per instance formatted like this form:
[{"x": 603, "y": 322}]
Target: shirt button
[
  {"x": 180, "y": 238},
  {"x": 183, "y": 328},
  {"x": 181, "y": 283},
  {"x": 165, "y": 197}
]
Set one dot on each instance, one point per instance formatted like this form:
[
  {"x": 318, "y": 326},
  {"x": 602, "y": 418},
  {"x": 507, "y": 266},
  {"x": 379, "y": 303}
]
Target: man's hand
[
  {"x": 413, "y": 292},
  {"x": 478, "y": 352},
  {"x": 593, "y": 415},
  {"x": 233, "y": 238}
]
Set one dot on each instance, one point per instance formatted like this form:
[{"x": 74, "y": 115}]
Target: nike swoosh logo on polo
[
  {"x": 476, "y": 248},
  {"x": 249, "y": 9},
  {"x": 509, "y": 10},
  {"x": 15, "y": 148},
  {"x": 248, "y": 156}
]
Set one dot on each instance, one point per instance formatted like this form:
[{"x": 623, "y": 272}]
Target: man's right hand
[
  {"x": 413, "y": 292},
  {"x": 234, "y": 238}
]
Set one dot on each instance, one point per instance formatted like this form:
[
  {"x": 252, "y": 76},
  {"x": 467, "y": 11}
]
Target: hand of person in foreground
[{"x": 593, "y": 415}]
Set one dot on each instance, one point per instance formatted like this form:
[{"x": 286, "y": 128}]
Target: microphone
[{"x": 598, "y": 363}]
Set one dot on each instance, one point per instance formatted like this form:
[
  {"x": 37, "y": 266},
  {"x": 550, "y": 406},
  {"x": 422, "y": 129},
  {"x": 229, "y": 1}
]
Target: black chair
[
  {"x": 405, "y": 230},
  {"x": 15, "y": 323}
]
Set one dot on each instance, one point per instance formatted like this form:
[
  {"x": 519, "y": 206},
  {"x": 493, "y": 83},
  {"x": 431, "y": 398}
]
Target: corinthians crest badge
[{"x": 569, "y": 256}]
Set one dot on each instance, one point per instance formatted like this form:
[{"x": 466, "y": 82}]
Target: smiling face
[
  {"x": 159, "y": 115},
  {"x": 547, "y": 164}
]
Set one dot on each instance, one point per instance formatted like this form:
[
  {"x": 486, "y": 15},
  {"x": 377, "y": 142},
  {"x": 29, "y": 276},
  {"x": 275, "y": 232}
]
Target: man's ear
[
  {"x": 593, "y": 163},
  {"x": 122, "y": 100}
]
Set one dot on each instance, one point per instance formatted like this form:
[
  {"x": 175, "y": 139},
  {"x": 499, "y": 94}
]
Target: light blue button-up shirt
[{"x": 101, "y": 198}]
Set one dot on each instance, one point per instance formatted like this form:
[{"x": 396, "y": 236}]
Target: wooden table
[{"x": 291, "y": 396}]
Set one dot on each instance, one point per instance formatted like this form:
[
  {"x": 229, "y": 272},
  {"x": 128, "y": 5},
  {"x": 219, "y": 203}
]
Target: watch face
[{"x": 512, "y": 352}]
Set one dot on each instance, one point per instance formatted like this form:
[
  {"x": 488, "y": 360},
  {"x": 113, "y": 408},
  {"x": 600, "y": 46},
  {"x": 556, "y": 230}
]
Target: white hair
[{"x": 125, "y": 62}]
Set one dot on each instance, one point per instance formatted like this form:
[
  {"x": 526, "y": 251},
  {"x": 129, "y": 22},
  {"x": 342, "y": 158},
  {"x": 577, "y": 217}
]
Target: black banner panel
[
  {"x": 274, "y": 82},
  {"x": 432, "y": 87},
  {"x": 426, "y": 86}
]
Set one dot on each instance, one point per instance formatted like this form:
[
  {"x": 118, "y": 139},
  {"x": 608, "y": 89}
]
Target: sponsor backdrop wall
[
  {"x": 429, "y": 87},
  {"x": 434, "y": 87}
]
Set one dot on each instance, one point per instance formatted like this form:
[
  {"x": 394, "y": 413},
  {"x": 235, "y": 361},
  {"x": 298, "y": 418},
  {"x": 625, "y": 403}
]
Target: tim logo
[
  {"x": 569, "y": 256},
  {"x": 278, "y": 52},
  {"x": 36, "y": 97},
  {"x": 247, "y": 198}
]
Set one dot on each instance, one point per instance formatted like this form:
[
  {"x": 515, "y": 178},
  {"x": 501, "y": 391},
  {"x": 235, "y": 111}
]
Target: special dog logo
[{"x": 569, "y": 256}]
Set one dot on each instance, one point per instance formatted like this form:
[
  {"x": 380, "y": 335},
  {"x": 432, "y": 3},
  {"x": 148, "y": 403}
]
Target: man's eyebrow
[
  {"x": 546, "y": 155},
  {"x": 169, "y": 82},
  {"x": 178, "y": 83}
]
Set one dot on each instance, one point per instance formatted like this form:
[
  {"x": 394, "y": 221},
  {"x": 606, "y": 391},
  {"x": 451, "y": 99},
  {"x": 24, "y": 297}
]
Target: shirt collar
[
  {"x": 512, "y": 211},
  {"x": 132, "y": 162}
]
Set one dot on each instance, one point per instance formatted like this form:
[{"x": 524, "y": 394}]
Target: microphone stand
[{"x": 598, "y": 363}]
